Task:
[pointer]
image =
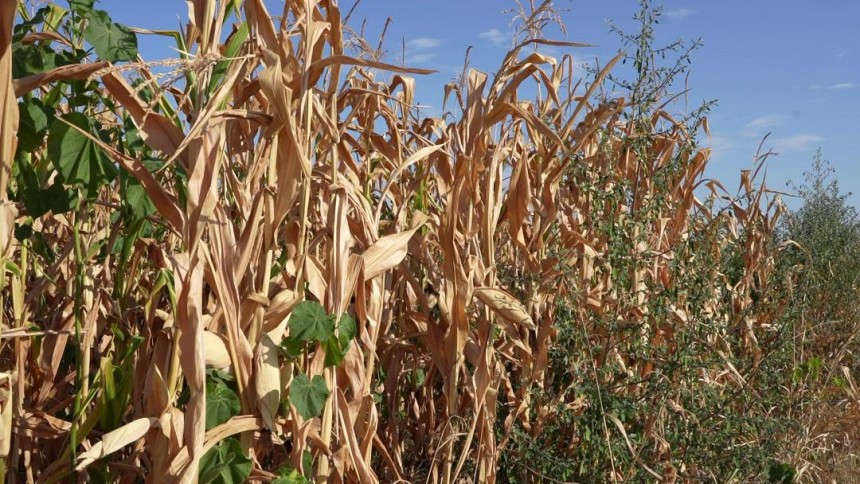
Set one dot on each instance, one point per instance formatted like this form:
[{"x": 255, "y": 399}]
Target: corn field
[{"x": 258, "y": 262}]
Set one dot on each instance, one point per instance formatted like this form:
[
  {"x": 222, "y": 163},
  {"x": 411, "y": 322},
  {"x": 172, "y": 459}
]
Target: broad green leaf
[
  {"x": 290, "y": 476},
  {"x": 137, "y": 199},
  {"x": 334, "y": 351},
  {"x": 76, "y": 157},
  {"x": 61, "y": 199},
  {"x": 23, "y": 232},
  {"x": 308, "y": 396},
  {"x": 337, "y": 346},
  {"x": 82, "y": 5},
  {"x": 29, "y": 59},
  {"x": 307, "y": 463},
  {"x": 346, "y": 328},
  {"x": 221, "y": 404},
  {"x": 113, "y": 42},
  {"x": 33, "y": 124},
  {"x": 30, "y": 192},
  {"x": 225, "y": 464},
  {"x": 293, "y": 348},
  {"x": 309, "y": 322}
]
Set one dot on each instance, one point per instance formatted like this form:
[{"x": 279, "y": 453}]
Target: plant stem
[{"x": 79, "y": 370}]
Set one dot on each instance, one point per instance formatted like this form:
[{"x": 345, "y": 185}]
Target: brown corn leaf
[
  {"x": 75, "y": 71},
  {"x": 505, "y": 305},
  {"x": 115, "y": 440},
  {"x": 387, "y": 252},
  {"x": 215, "y": 352}
]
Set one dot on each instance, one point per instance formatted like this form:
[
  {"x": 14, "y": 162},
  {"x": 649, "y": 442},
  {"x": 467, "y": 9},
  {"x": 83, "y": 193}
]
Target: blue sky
[{"x": 788, "y": 67}]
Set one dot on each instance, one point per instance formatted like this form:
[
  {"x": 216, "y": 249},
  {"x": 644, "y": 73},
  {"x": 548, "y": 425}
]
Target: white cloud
[
  {"x": 768, "y": 121},
  {"x": 420, "y": 58},
  {"x": 679, "y": 13},
  {"x": 800, "y": 142},
  {"x": 720, "y": 145},
  {"x": 842, "y": 52},
  {"x": 423, "y": 43},
  {"x": 495, "y": 36},
  {"x": 844, "y": 85}
]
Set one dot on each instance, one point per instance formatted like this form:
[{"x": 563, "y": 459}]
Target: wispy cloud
[
  {"x": 844, "y": 85},
  {"x": 842, "y": 52},
  {"x": 495, "y": 36},
  {"x": 679, "y": 13},
  {"x": 767, "y": 121},
  {"x": 800, "y": 142},
  {"x": 423, "y": 43},
  {"x": 420, "y": 58},
  {"x": 720, "y": 145}
]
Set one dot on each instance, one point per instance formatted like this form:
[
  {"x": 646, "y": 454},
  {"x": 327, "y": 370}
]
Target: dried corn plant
[{"x": 264, "y": 264}]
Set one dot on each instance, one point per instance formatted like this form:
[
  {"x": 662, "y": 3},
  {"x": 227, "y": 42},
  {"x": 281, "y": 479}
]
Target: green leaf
[
  {"x": 290, "y": 476},
  {"x": 113, "y": 42},
  {"x": 234, "y": 43},
  {"x": 781, "y": 472},
  {"x": 225, "y": 464},
  {"x": 81, "y": 5},
  {"x": 61, "y": 199},
  {"x": 337, "y": 346},
  {"x": 23, "y": 232},
  {"x": 76, "y": 157},
  {"x": 138, "y": 200},
  {"x": 346, "y": 328},
  {"x": 30, "y": 191},
  {"x": 12, "y": 267},
  {"x": 307, "y": 463},
  {"x": 292, "y": 347},
  {"x": 33, "y": 124},
  {"x": 308, "y": 396},
  {"x": 418, "y": 377},
  {"x": 221, "y": 404},
  {"x": 29, "y": 59},
  {"x": 309, "y": 322}
]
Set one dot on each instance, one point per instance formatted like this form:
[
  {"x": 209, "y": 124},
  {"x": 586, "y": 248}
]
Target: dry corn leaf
[
  {"x": 115, "y": 440},
  {"x": 71, "y": 72},
  {"x": 387, "y": 252},
  {"x": 505, "y": 306}
]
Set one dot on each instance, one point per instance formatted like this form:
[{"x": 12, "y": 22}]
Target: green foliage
[
  {"x": 78, "y": 159},
  {"x": 34, "y": 120},
  {"x": 113, "y": 42},
  {"x": 336, "y": 346},
  {"x": 225, "y": 464},
  {"x": 826, "y": 230},
  {"x": 308, "y": 395},
  {"x": 290, "y": 476},
  {"x": 309, "y": 322},
  {"x": 781, "y": 472},
  {"x": 222, "y": 403}
]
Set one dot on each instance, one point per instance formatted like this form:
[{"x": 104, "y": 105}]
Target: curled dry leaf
[
  {"x": 215, "y": 351},
  {"x": 505, "y": 306},
  {"x": 387, "y": 252},
  {"x": 115, "y": 440}
]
